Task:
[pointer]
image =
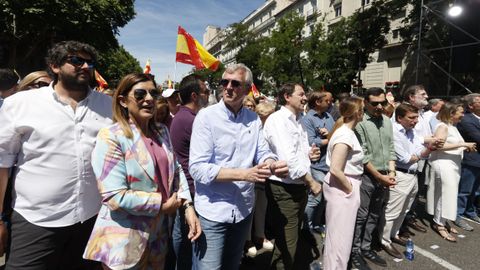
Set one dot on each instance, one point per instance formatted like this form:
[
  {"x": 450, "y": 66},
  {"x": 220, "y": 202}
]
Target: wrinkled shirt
[
  {"x": 51, "y": 145},
  {"x": 407, "y": 143},
  {"x": 221, "y": 139}
]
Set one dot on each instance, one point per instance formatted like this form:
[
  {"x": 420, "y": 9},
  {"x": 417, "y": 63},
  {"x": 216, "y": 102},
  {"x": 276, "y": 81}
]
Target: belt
[{"x": 406, "y": 171}]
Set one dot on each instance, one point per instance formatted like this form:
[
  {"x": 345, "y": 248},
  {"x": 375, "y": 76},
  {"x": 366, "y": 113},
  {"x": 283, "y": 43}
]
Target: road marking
[
  {"x": 436, "y": 259},
  {"x": 434, "y": 247}
]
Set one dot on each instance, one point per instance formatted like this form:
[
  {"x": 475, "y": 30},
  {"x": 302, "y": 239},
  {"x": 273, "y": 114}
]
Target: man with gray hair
[
  {"x": 469, "y": 128},
  {"x": 228, "y": 154}
]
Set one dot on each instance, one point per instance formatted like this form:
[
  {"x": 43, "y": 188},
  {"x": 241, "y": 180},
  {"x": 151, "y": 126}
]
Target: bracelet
[{"x": 186, "y": 206}]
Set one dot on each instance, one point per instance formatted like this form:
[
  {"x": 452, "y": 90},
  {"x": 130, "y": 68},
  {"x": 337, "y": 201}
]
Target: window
[
  {"x": 338, "y": 10},
  {"x": 365, "y": 2},
  {"x": 395, "y": 33}
]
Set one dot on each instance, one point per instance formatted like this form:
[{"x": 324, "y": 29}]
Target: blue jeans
[
  {"x": 181, "y": 244},
  {"x": 221, "y": 244},
  {"x": 467, "y": 188},
  {"x": 312, "y": 210}
]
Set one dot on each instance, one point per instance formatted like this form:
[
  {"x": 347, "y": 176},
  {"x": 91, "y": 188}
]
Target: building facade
[{"x": 386, "y": 67}]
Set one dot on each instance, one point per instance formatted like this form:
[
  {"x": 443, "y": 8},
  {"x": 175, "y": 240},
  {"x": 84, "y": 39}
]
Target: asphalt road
[{"x": 431, "y": 251}]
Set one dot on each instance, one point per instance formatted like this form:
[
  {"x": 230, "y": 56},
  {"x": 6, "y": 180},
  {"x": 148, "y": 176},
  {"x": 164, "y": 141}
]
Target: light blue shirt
[
  {"x": 221, "y": 139},
  {"x": 407, "y": 143}
]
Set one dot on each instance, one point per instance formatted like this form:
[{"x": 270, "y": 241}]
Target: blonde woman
[
  {"x": 341, "y": 186},
  {"x": 446, "y": 164},
  {"x": 34, "y": 80}
]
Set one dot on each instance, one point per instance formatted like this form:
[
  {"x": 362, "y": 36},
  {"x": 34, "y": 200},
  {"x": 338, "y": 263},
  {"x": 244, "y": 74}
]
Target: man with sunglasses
[
  {"x": 50, "y": 134},
  {"x": 228, "y": 155},
  {"x": 194, "y": 96},
  {"x": 375, "y": 134}
]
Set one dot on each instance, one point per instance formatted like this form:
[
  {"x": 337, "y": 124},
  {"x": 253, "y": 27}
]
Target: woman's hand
[
  {"x": 194, "y": 228},
  {"x": 171, "y": 205},
  {"x": 348, "y": 189},
  {"x": 471, "y": 147}
]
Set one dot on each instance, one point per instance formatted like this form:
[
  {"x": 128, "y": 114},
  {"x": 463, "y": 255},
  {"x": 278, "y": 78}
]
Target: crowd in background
[{"x": 145, "y": 178}]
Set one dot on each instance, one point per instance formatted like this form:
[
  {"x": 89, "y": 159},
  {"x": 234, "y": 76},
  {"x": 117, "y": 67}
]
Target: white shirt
[
  {"x": 289, "y": 141},
  {"x": 354, "y": 164},
  {"x": 407, "y": 143},
  {"x": 51, "y": 145},
  {"x": 422, "y": 128}
]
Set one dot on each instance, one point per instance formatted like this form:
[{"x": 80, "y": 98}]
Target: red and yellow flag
[
  {"x": 147, "y": 67},
  {"x": 102, "y": 84},
  {"x": 191, "y": 52},
  {"x": 254, "y": 91}
]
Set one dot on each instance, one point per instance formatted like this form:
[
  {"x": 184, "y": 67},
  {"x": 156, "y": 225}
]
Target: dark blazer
[{"x": 469, "y": 128}]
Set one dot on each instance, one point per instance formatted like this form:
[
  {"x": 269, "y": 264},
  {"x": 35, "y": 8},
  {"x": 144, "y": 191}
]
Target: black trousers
[{"x": 41, "y": 248}]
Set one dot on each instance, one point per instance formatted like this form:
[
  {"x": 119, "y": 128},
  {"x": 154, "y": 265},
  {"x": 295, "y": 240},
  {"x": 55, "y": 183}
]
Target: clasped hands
[{"x": 264, "y": 170}]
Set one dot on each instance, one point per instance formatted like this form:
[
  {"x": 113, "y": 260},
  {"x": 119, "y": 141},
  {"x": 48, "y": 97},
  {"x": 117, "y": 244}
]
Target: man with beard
[
  {"x": 376, "y": 137},
  {"x": 50, "y": 134},
  {"x": 194, "y": 96},
  {"x": 228, "y": 155},
  {"x": 287, "y": 196}
]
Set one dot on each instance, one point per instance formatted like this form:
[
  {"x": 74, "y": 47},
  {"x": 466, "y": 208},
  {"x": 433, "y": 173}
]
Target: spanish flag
[
  {"x": 147, "y": 67},
  {"x": 191, "y": 52},
  {"x": 254, "y": 91},
  {"x": 102, "y": 84}
]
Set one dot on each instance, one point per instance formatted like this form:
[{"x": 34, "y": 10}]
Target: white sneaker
[
  {"x": 251, "y": 252},
  {"x": 267, "y": 245}
]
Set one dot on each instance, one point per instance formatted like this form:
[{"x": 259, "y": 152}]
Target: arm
[
  {"x": 385, "y": 180},
  {"x": 337, "y": 165},
  {"x": 313, "y": 135},
  {"x": 469, "y": 129},
  {"x": 110, "y": 169},
  {"x": 442, "y": 133},
  {"x": 3, "y": 227}
]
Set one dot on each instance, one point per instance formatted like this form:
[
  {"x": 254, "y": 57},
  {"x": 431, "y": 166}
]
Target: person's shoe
[
  {"x": 474, "y": 219},
  {"x": 392, "y": 251},
  {"x": 374, "y": 257},
  {"x": 463, "y": 224},
  {"x": 399, "y": 240},
  {"x": 267, "y": 245},
  {"x": 415, "y": 224},
  {"x": 251, "y": 252},
  {"x": 358, "y": 262}
]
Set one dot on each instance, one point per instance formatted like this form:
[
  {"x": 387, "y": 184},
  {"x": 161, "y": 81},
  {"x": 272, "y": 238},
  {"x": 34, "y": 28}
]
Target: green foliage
[
  {"x": 29, "y": 27},
  {"x": 114, "y": 64}
]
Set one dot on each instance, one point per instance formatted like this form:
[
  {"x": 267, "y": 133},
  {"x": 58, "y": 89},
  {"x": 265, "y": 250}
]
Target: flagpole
[{"x": 174, "y": 75}]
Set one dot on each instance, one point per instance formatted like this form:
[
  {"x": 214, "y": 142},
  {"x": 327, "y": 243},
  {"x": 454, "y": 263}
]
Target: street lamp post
[{"x": 419, "y": 44}]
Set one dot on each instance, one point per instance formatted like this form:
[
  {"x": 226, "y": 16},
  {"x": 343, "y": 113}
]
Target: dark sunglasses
[
  {"x": 375, "y": 103},
  {"x": 140, "y": 94},
  {"x": 79, "y": 61},
  {"x": 39, "y": 84},
  {"x": 225, "y": 82}
]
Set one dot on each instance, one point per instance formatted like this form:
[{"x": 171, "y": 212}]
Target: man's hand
[
  {"x": 279, "y": 168},
  {"x": 194, "y": 229},
  {"x": 414, "y": 159},
  {"x": 171, "y": 205},
  {"x": 314, "y": 153},
  {"x": 386, "y": 180},
  {"x": 437, "y": 143},
  {"x": 323, "y": 132},
  {"x": 257, "y": 173},
  {"x": 3, "y": 238}
]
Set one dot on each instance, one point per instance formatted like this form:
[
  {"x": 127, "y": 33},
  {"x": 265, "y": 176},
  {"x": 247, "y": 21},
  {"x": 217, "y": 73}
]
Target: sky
[{"x": 152, "y": 34}]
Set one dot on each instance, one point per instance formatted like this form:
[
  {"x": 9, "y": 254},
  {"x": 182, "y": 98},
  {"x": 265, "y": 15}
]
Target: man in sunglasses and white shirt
[
  {"x": 49, "y": 134},
  {"x": 228, "y": 154}
]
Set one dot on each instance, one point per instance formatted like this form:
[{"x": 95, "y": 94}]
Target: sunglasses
[
  {"x": 79, "y": 61},
  {"x": 375, "y": 103},
  {"x": 39, "y": 84},
  {"x": 235, "y": 83},
  {"x": 140, "y": 94}
]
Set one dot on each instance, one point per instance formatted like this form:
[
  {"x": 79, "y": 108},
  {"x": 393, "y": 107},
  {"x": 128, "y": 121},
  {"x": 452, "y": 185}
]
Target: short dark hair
[
  {"x": 287, "y": 89},
  {"x": 189, "y": 85},
  {"x": 373, "y": 91},
  {"x": 8, "y": 79},
  {"x": 411, "y": 91},
  {"x": 57, "y": 55},
  {"x": 403, "y": 109}
]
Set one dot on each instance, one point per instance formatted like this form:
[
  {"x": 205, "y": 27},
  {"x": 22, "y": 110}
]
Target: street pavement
[{"x": 431, "y": 251}]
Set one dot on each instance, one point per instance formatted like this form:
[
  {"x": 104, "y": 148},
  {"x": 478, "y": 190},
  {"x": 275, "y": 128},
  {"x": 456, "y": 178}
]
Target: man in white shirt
[
  {"x": 287, "y": 196},
  {"x": 49, "y": 134}
]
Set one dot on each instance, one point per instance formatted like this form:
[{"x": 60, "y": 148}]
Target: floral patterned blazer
[{"x": 129, "y": 221}]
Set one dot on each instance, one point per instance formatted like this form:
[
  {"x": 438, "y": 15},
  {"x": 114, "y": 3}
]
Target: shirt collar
[
  {"x": 229, "y": 113},
  {"x": 57, "y": 98},
  {"x": 289, "y": 113},
  {"x": 185, "y": 108}
]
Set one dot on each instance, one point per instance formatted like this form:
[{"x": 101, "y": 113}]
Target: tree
[
  {"x": 282, "y": 60},
  {"x": 114, "y": 64},
  {"x": 29, "y": 27}
]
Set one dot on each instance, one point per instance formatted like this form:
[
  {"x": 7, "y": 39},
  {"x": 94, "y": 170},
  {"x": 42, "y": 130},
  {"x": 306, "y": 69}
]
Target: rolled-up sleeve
[
  {"x": 201, "y": 159},
  {"x": 10, "y": 138}
]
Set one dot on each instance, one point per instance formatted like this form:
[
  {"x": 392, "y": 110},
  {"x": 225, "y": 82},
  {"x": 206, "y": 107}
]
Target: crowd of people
[{"x": 161, "y": 179}]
